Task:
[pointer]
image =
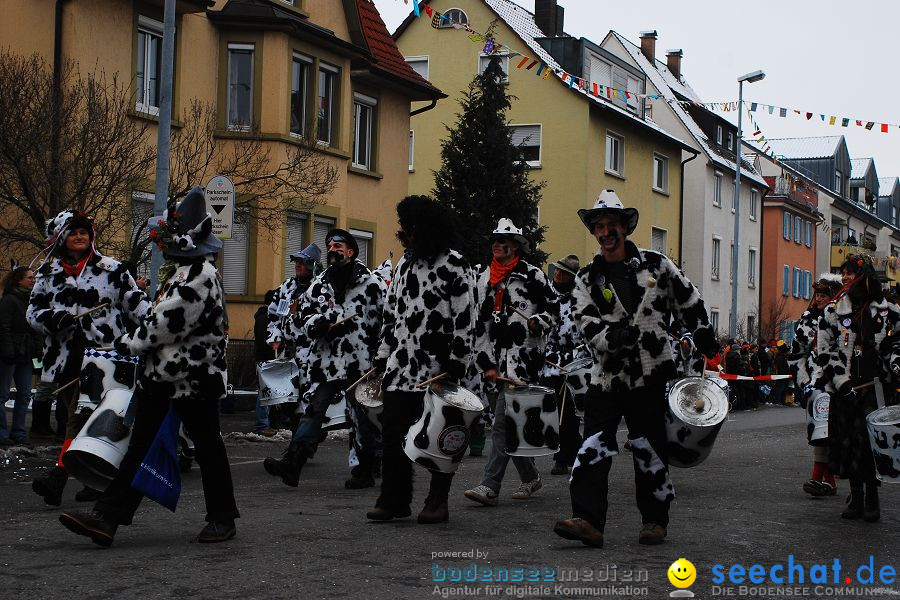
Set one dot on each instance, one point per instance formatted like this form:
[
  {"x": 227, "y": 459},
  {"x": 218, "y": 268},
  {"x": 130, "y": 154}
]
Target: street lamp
[{"x": 735, "y": 253}]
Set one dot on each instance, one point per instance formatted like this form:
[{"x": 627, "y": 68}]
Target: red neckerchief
[
  {"x": 498, "y": 273},
  {"x": 74, "y": 270}
]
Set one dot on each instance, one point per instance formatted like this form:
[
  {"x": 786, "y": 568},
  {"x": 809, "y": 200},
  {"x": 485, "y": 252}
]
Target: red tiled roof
[{"x": 384, "y": 49}]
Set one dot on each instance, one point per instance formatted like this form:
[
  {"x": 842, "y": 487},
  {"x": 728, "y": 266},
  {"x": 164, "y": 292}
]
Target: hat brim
[
  {"x": 563, "y": 267},
  {"x": 590, "y": 215},
  {"x": 521, "y": 239},
  {"x": 211, "y": 245}
]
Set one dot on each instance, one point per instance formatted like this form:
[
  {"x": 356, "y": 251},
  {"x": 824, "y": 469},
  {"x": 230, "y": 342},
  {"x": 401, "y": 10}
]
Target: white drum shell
[
  {"x": 276, "y": 385},
  {"x": 884, "y": 437},
  {"x": 439, "y": 439},
  {"x": 817, "y": 408},
  {"x": 697, "y": 408},
  {"x": 95, "y": 454},
  {"x": 532, "y": 421}
]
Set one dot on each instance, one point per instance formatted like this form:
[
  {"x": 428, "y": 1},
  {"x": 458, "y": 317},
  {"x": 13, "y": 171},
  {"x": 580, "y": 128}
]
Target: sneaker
[
  {"x": 94, "y": 525},
  {"x": 268, "y": 432},
  {"x": 527, "y": 489},
  {"x": 652, "y": 534},
  {"x": 581, "y": 530},
  {"x": 559, "y": 468},
  {"x": 217, "y": 531},
  {"x": 482, "y": 494}
]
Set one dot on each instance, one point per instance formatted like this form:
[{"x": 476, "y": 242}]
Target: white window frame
[
  {"x": 504, "y": 64},
  {"x": 450, "y": 12},
  {"x": 617, "y": 169},
  {"x": 412, "y": 151},
  {"x": 333, "y": 75},
  {"x": 305, "y": 89},
  {"x": 754, "y": 203},
  {"x": 839, "y": 183},
  {"x": 410, "y": 60},
  {"x": 787, "y": 225},
  {"x": 797, "y": 230},
  {"x": 665, "y": 239},
  {"x": 717, "y": 189},
  {"x": 751, "y": 268},
  {"x": 729, "y": 144},
  {"x": 365, "y": 239},
  {"x": 540, "y": 135},
  {"x": 716, "y": 257},
  {"x": 714, "y": 320},
  {"x": 154, "y": 28},
  {"x": 808, "y": 234},
  {"x": 661, "y": 159},
  {"x": 719, "y": 134},
  {"x": 361, "y": 103},
  {"x": 239, "y": 47}
]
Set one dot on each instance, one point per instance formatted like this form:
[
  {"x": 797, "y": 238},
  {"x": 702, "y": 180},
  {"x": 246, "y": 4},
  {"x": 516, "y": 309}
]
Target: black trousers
[
  {"x": 401, "y": 410},
  {"x": 643, "y": 410},
  {"x": 201, "y": 419},
  {"x": 570, "y": 423}
]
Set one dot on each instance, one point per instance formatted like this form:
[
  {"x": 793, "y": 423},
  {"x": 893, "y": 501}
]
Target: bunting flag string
[{"x": 833, "y": 120}]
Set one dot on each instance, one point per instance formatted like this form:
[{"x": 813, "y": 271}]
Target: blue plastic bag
[{"x": 159, "y": 476}]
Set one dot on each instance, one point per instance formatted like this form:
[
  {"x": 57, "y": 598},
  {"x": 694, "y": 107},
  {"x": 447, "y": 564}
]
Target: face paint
[{"x": 611, "y": 238}]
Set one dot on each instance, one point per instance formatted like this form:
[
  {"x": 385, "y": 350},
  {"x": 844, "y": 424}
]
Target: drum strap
[{"x": 499, "y": 290}]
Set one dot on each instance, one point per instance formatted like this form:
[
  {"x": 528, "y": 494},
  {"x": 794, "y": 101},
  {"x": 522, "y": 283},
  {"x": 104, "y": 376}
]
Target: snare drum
[
  {"x": 101, "y": 371},
  {"x": 698, "y": 407},
  {"x": 532, "y": 422},
  {"x": 439, "y": 439}
]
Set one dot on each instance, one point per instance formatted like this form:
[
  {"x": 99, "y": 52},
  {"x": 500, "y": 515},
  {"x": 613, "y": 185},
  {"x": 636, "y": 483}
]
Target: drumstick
[
  {"x": 360, "y": 380},
  {"x": 90, "y": 310},
  {"x": 562, "y": 406},
  {"x": 336, "y": 323},
  {"x": 523, "y": 315},
  {"x": 432, "y": 380},
  {"x": 105, "y": 348},
  {"x": 553, "y": 364},
  {"x": 512, "y": 381},
  {"x": 70, "y": 384}
]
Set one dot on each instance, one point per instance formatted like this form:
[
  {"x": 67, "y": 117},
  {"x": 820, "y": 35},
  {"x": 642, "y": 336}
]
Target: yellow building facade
[
  {"x": 571, "y": 125},
  {"x": 254, "y": 62}
]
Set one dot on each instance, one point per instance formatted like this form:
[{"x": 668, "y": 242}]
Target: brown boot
[
  {"x": 581, "y": 530},
  {"x": 652, "y": 534},
  {"x": 435, "y": 511}
]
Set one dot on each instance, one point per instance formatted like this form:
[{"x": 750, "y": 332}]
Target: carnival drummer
[
  {"x": 428, "y": 331},
  {"x": 516, "y": 311},
  {"x": 183, "y": 343},
  {"x": 286, "y": 299},
  {"x": 622, "y": 303},
  {"x": 802, "y": 360},
  {"x": 341, "y": 316},
  {"x": 74, "y": 279}
]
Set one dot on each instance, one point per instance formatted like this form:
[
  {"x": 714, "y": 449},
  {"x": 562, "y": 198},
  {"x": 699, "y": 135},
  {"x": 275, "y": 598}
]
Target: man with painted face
[
  {"x": 623, "y": 303},
  {"x": 340, "y": 314},
  {"x": 516, "y": 311}
]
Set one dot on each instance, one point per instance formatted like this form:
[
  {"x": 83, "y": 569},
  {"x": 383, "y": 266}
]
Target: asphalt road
[{"x": 743, "y": 506}]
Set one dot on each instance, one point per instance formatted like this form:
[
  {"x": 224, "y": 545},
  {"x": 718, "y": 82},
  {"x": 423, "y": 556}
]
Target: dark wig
[
  {"x": 13, "y": 278},
  {"x": 430, "y": 225}
]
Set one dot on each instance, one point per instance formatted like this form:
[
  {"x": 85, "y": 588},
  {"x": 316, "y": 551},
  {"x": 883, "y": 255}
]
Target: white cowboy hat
[
  {"x": 507, "y": 228},
  {"x": 609, "y": 202}
]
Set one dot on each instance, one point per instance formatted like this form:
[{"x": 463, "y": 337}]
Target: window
[
  {"x": 796, "y": 229},
  {"x": 733, "y": 196},
  {"x": 660, "y": 173},
  {"x": 412, "y": 147},
  {"x": 300, "y": 70},
  {"x": 527, "y": 138},
  {"x": 714, "y": 320},
  {"x": 786, "y": 281},
  {"x": 321, "y": 227},
  {"x": 795, "y": 283},
  {"x": 751, "y": 268},
  {"x": 809, "y": 278},
  {"x": 364, "y": 241},
  {"x": 363, "y": 128},
  {"x": 240, "y": 86},
  {"x": 754, "y": 200},
  {"x": 717, "y": 189},
  {"x": 327, "y": 95},
  {"x": 808, "y": 236},
  {"x": 295, "y": 240},
  {"x": 786, "y": 225},
  {"x": 615, "y": 157},
  {"x": 454, "y": 16},
  {"x": 751, "y": 327},
  {"x": 851, "y": 236},
  {"x": 658, "y": 240},
  {"x": 235, "y": 252},
  {"x": 606, "y": 74},
  {"x": 716, "y": 251},
  {"x": 485, "y": 59},
  {"x": 148, "y": 68},
  {"x": 719, "y": 134},
  {"x": 729, "y": 143},
  {"x": 839, "y": 183},
  {"x": 419, "y": 64},
  {"x": 894, "y": 216}
]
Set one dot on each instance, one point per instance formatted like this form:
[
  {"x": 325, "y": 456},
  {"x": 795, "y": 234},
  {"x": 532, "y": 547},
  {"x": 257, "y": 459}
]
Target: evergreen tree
[{"x": 482, "y": 177}]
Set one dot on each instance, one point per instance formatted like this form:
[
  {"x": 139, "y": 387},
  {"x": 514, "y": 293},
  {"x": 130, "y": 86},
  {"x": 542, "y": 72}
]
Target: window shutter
[
  {"x": 530, "y": 135},
  {"x": 235, "y": 259},
  {"x": 658, "y": 240},
  {"x": 321, "y": 227},
  {"x": 364, "y": 241},
  {"x": 296, "y": 235}
]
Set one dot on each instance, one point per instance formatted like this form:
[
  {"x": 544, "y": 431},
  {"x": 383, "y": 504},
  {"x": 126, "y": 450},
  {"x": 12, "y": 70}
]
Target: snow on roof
[
  {"x": 887, "y": 185},
  {"x": 523, "y": 24},
  {"x": 806, "y": 147},
  {"x": 859, "y": 167},
  {"x": 664, "y": 80}
]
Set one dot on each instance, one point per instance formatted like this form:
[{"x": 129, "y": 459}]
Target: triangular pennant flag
[
  {"x": 831, "y": 120},
  {"x": 870, "y": 125},
  {"x": 858, "y": 123},
  {"x": 808, "y": 116},
  {"x": 571, "y": 80},
  {"x": 822, "y": 117},
  {"x": 532, "y": 65},
  {"x": 523, "y": 62},
  {"x": 416, "y": 7},
  {"x": 428, "y": 10},
  {"x": 771, "y": 109},
  {"x": 540, "y": 68},
  {"x": 884, "y": 128},
  {"x": 782, "y": 112},
  {"x": 753, "y": 107},
  {"x": 845, "y": 122},
  {"x": 547, "y": 72},
  {"x": 596, "y": 90}
]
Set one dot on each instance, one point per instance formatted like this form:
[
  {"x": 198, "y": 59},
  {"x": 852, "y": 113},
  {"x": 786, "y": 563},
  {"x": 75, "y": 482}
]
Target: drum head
[
  {"x": 368, "y": 393},
  {"x": 698, "y": 401},
  {"x": 455, "y": 395},
  {"x": 889, "y": 415},
  {"x": 578, "y": 364}
]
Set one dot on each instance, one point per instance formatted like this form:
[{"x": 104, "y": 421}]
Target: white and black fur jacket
[
  {"x": 564, "y": 338},
  {"x": 428, "y": 321},
  {"x": 837, "y": 343},
  {"x": 803, "y": 348},
  {"x": 183, "y": 338},
  {"x": 278, "y": 309},
  {"x": 103, "y": 280},
  {"x": 503, "y": 341},
  {"x": 348, "y": 350},
  {"x": 664, "y": 293}
]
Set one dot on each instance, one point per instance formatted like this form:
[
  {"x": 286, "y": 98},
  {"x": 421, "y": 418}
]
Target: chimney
[
  {"x": 549, "y": 17},
  {"x": 648, "y": 45},
  {"x": 673, "y": 61}
]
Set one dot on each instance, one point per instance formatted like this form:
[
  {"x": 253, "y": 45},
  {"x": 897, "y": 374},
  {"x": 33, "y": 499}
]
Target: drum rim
[
  {"x": 870, "y": 418},
  {"x": 541, "y": 388},
  {"x": 706, "y": 382},
  {"x": 587, "y": 360},
  {"x": 456, "y": 387}
]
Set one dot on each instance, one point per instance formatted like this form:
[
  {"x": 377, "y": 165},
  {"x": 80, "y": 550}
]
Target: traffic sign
[{"x": 220, "y": 204}]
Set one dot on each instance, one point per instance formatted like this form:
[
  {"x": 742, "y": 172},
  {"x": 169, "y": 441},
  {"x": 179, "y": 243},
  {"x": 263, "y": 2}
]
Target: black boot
[
  {"x": 100, "y": 528},
  {"x": 871, "y": 509},
  {"x": 51, "y": 485},
  {"x": 854, "y": 508},
  {"x": 289, "y": 466},
  {"x": 361, "y": 475},
  {"x": 40, "y": 420},
  {"x": 87, "y": 494}
]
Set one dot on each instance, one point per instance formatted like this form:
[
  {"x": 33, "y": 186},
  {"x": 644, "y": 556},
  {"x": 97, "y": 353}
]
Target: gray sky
[{"x": 824, "y": 56}]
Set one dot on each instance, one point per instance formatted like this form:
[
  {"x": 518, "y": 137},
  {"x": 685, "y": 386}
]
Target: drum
[
  {"x": 336, "y": 414},
  {"x": 95, "y": 454},
  {"x": 275, "y": 381},
  {"x": 532, "y": 423},
  {"x": 577, "y": 375},
  {"x": 439, "y": 439},
  {"x": 370, "y": 400},
  {"x": 817, "y": 416},
  {"x": 884, "y": 437},
  {"x": 103, "y": 370},
  {"x": 698, "y": 407}
]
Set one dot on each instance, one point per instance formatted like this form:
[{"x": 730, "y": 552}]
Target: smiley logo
[{"x": 682, "y": 573}]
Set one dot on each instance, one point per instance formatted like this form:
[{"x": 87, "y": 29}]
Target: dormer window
[
  {"x": 454, "y": 16},
  {"x": 730, "y": 142},
  {"x": 719, "y": 134}
]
